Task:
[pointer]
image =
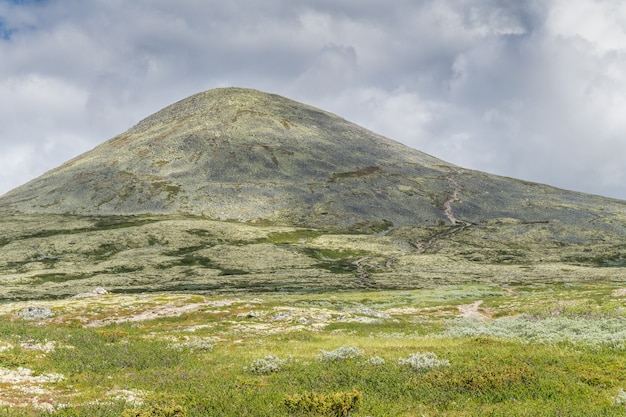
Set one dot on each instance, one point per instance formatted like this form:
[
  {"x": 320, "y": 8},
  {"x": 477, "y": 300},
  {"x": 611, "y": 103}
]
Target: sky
[{"x": 530, "y": 89}]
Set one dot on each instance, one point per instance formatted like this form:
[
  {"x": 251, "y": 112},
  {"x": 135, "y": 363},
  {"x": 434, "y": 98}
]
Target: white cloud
[
  {"x": 16, "y": 162},
  {"x": 599, "y": 22},
  {"x": 33, "y": 111}
]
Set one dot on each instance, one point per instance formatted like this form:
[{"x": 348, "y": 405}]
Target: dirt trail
[
  {"x": 470, "y": 311},
  {"x": 167, "y": 310},
  {"x": 454, "y": 196},
  {"x": 460, "y": 225}
]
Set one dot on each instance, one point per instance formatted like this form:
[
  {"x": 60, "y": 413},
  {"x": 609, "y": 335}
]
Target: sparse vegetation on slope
[{"x": 154, "y": 253}]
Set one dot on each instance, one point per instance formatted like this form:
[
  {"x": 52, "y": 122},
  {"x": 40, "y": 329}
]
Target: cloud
[
  {"x": 531, "y": 89},
  {"x": 32, "y": 109}
]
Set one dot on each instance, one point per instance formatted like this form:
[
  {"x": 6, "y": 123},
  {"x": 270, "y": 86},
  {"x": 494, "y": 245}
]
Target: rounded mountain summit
[{"x": 246, "y": 155}]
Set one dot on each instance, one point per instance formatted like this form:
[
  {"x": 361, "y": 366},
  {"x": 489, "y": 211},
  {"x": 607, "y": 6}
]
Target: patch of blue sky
[
  {"x": 22, "y": 1},
  {"x": 5, "y": 32}
]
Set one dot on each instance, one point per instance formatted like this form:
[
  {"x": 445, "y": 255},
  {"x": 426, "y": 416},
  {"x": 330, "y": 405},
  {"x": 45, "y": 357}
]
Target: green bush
[
  {"x": 12, "y": 360},
  {"x": 333, "y": 404},
  {"x": 112, "y": 335},
  {"x": 156, "y": 411}
]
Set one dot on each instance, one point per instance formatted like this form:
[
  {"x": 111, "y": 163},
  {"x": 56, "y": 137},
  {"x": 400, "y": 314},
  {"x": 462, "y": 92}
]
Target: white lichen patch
[
  {"x": 197, "y": 327},
  {"x": 621, "y": 292},
  {"x": 167, "y": 310},
  {"x": 45, "y": 347},
  {"x": 130, "y": 396},
  {"x": 265, "y": 329},
  {"x": 26, "y": 376},
  {"x": 290, "y": 319},
  {"x": 4, "y": 346},
  {"x": 22, "y": 387},
  {"x": 107, "y": 309}
]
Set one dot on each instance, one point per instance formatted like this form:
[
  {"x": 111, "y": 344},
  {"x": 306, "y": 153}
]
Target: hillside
[{"x": 239, "y": 190}]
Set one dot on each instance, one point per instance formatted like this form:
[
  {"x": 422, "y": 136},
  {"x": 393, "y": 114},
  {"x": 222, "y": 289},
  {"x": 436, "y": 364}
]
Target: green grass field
[{"x": 480, "y": 350}]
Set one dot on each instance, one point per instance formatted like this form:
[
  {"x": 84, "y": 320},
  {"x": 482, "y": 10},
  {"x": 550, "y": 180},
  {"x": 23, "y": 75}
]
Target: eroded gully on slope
[{"x": 457, "y": 224}]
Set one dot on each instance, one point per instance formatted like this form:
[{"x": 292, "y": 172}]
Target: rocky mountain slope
[{"x": 235, "y": 189}]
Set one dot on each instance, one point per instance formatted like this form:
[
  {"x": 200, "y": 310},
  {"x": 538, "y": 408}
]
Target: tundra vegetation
[
  {"x": 514, "y": 350},
  {"x": 206, "y": 318}
]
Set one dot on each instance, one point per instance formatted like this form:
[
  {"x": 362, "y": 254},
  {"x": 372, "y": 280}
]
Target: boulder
[{"x": 35, "y": 313}]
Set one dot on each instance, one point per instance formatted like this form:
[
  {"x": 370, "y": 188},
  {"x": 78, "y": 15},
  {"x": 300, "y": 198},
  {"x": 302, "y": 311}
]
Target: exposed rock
[
  {"x": 373, "y": 313},
  {"x": 35, "y": 313},
  {"x": 283, "y": 315},
  {"x": 96, "y": 292}
]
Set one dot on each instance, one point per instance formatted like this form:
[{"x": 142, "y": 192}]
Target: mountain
[
  {"x": 245, "y": 155},
  {"x": 292, "y": 177}
]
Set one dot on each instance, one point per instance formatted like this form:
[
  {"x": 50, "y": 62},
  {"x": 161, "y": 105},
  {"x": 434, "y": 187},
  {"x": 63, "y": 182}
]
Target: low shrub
[
  {"x": 333, "y": 404},
  {"x": 156, "y": 411},
  {"x": 609, "y": 331},
  {"x": 489, "y": 379},
  {"x": 423, "y": 361},
  {"x": 376, "y": 361},
  {"x": 340, "y": 354},
  {"x": 266, "y": 364},
  {"x": 112, "y": 335},
  {"x": 205, "y": 344},
  {"x": 12, "y": 360}
]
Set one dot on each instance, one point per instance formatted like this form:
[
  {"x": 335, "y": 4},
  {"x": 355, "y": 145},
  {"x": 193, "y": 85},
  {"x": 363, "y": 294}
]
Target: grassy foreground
[{"x": 540, "y": 350}]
